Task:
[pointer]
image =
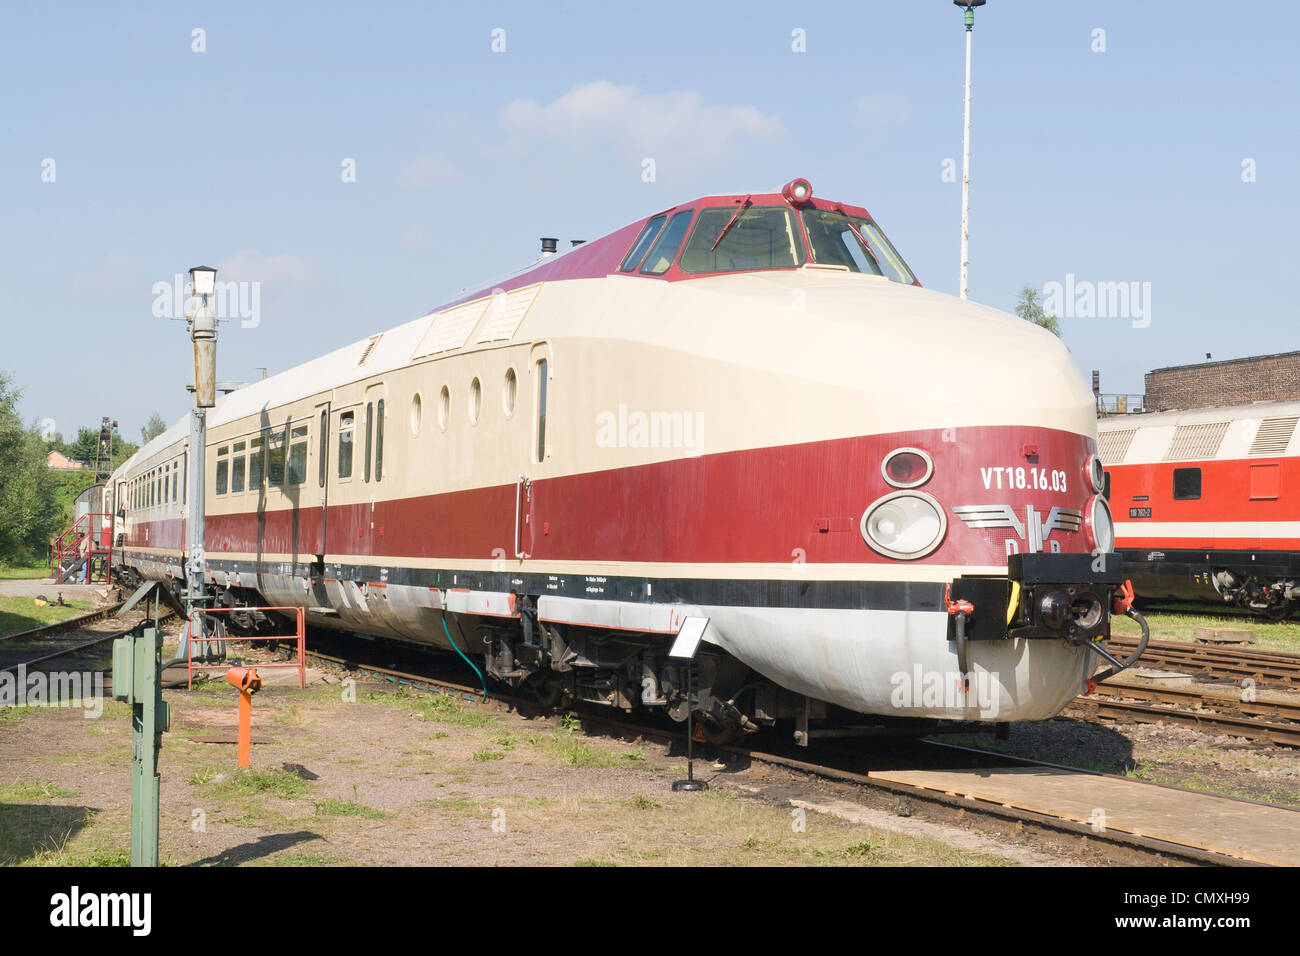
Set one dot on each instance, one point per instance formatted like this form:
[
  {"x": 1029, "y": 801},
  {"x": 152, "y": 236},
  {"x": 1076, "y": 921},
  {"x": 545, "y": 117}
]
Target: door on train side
[
  {"x": 370, "y": 434},
  {"x": 323, "y": 432}
]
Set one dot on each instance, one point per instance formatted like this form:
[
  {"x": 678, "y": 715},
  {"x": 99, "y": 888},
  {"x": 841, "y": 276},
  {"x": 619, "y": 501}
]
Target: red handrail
[{"x": 301, "y": 636}]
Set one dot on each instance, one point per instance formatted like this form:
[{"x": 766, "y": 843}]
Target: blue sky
[{"x": 1117, "y": 166}]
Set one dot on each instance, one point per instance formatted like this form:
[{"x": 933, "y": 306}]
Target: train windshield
[
  {"x": 854, "y": 242},
  {"x": 761, "y": 237}
]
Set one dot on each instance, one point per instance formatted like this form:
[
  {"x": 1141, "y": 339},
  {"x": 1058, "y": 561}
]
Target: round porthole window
[
  {"x": 509, "y": 390},
  {"x": 417, "y": 412},
  {"x": 475, "y": 400},
  {"x": 444, "y": 407}
]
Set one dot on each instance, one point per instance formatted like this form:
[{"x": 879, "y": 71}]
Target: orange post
[{"x": 247, "y": 680}]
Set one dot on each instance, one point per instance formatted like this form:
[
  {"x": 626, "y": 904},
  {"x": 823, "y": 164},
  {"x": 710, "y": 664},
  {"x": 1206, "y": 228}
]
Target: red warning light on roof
[{"x": 797, "y": 191}]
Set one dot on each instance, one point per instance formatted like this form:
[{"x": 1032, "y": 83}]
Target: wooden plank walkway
[{"x": 1246, "y": 831}]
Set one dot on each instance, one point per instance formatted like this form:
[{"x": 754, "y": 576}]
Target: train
[
  {"x": 744, "y": 409},
  {"x": 1207, "y": 504}
]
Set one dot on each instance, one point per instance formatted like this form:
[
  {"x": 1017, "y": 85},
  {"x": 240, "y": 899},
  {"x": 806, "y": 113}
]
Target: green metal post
[{"x": 137, "y": 680}]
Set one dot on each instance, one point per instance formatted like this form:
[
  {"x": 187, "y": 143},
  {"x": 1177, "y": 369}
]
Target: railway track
[
  {"x": 15, "y": 647},
  {"x": 1062, "y": 800},
  {"x": 1270, "y": 722},
  {"x": 1276, "y": 667}
]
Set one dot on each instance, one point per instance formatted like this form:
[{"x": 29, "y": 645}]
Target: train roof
[{"x": 1217, "y": 433}]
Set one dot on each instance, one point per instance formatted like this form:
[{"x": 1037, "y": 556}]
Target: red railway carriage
[
  {"x": 1207, "y": 503},
  {"x": 736, "y": 409}
]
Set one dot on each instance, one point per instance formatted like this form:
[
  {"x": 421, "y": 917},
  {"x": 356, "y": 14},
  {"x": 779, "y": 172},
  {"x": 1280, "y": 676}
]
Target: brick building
[{"x": 1257, "y": 378}]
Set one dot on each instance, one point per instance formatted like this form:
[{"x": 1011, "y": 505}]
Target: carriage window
[
  {"x": 346, "y": 428},
  {"x": 642, "y": 243},
  {"x": 743, "y": 239},
  {"x": 370, "y": 408},
  {"x": 176, "y": 480},
  {"x": 237, "y": 468},
  {"x": 275, "y": 458},
  {"x": 665, "y": 250},
  {"x": 1187, "y": 484},
  {"x": 223, "y": 469},
  {"x": 298, "y": 455},
  {"x": 256, "y": 464},
  {"x": 379, "y": 443},
  {"x": 541, "y": 410},
  {"x": 324, "y": 444}
]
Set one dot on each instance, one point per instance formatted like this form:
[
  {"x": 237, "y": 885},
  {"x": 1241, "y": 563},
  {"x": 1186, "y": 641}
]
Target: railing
[
  {"x": 66, "y": 554},
  {"x": 300, "y": 635},
  {"x": 1121, "y": 404}
]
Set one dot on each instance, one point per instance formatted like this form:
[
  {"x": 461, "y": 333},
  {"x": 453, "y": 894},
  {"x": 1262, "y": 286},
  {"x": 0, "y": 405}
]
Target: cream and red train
[
  {"x": 743, "y": 408},
  {"x": 1207, "y": 503}
]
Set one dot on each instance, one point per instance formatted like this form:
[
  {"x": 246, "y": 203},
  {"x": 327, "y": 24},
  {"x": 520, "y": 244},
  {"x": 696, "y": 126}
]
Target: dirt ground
[{"x": 367, "y": 774}]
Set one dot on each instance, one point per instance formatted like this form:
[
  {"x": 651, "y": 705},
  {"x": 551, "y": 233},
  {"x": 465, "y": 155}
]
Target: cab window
[
  {"x": 665, "y": 250},
  {"x": 642, "y": 243},
  {"x": 743, "y": 239},
  {"x": 1187, "y": 484}
]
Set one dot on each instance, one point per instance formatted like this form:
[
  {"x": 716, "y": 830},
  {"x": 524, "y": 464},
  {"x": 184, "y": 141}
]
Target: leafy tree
[
  {"x": 29, "y": 514},
  {"x": 154, "y": 427},
  {"x": 1030, "y": 309}
]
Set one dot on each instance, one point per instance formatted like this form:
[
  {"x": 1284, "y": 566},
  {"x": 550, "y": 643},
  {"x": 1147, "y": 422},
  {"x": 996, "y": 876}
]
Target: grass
[
  {"x": 346, "y": 808},
  {"x": 641, "y": 802},
  {"x": 25, "y": 791},
  {"x": 1182, "y": 627},
  {"x": 24, "y": 571},
  {"x": 439, "y": 708},
  {"x": 281, "y": 783},
  {"x": 23, "y": 613},
  {"x": 572, "y": 751}
]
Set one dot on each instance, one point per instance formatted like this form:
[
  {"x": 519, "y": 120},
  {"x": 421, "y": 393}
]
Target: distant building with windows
[{"x": 61, "y": 462}]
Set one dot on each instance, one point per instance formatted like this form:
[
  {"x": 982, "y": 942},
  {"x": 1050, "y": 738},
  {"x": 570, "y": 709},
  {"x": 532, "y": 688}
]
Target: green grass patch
[
  {"x": 24, "y": 570},
  {"x": 436, "y": 707},
  {"x": 1182, "y": 627},
  {"x": 11, "y": 715},
  {"x": 23, "y": 613},
  {"x": 641, "y": 802},
  {"x": 284, "y": 784},
  {"x": 346, "y": 808},
  {"x": 204, "y": 774},
  {"x": 25, "y": 791},
  {"x": 485, "y": 755}
]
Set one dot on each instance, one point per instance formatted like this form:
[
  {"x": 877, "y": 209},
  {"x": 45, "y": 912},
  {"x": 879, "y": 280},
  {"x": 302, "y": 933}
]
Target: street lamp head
[
  {"x": 203, "y": 279},
  {"x": 970, "y": 3}
]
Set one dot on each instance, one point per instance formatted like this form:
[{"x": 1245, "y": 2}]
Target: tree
[
  {"x": 29, "y": 514},
  {"x": 154, "y": 427},
  {"x": 1030, "y": 309}
]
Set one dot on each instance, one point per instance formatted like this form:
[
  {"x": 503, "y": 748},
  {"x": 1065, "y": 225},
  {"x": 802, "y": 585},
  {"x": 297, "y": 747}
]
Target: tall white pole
[{"x": 965, "y": 170}]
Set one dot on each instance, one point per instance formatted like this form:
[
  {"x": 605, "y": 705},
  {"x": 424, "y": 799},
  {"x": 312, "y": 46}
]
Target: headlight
[
  {"x": 1101, "y": 524},
  {"x": 1096, "y": 474},
  {"x": 905, "y": 525}
]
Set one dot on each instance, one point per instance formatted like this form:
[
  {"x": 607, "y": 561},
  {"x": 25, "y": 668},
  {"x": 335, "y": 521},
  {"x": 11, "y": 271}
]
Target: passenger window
[
  {"x": 223, "y": 469},
  {"x": 370, "y": 408},
  {"x": 665, "y": 250},
  {"x": 256, "y": 464},
  {"x": 642, "y": 243},
  {"x": 298, "y": 455},
  {"x": 275, "y": 459},
  {"x": 541, "y": 410},
  {"x": 346, "y": 428},
  {"x": 1187, "y": 484},
  {"x": 236, "y": 470},
  {"x": 379, "y": 443},
  {"x": 176, "y": 480}
]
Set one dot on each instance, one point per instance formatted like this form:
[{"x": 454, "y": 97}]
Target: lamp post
[
  {"x": 203, "y": 333},
  {"x": 969, "y": 18}
]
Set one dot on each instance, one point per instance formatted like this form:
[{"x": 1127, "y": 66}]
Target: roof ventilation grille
[
  {"x": 1273, "y": 436},
  {"x": 370, "y": 347}
]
